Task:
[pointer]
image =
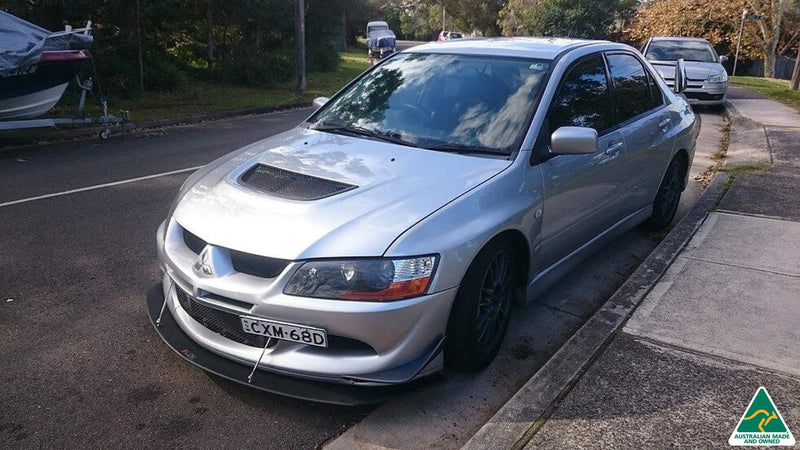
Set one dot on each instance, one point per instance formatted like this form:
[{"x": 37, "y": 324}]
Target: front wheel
[
  {"x": 482, "y": 309},
  {"x": 667, "y": 197}
]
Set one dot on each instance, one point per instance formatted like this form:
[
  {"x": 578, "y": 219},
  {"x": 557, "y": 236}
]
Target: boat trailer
[{"x": 86, "y": 86}]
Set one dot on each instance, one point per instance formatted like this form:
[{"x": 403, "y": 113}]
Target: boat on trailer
[{"x": 36, "y": 66}]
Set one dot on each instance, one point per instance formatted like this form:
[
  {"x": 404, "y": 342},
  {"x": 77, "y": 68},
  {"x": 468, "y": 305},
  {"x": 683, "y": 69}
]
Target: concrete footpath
[{"x": 723, "y": 320}]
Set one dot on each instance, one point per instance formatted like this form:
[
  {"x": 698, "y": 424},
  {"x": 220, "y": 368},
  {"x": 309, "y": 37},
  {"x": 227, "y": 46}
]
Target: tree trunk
[
  {"x": 138, "y": 15},
  {"x": 769, "y": 65},
  {"x": 777, "y": 7},
  {"x": 796, "y": 72},
  {"x": 300, "y": 45},
  {"x": 344, "y": 30},
  {"x": 209, "y": 36}
]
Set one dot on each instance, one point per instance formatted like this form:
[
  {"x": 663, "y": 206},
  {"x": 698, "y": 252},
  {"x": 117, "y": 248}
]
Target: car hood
[
  {"x": 695, "y": 70},
  {"x": 396, "y": 186}
]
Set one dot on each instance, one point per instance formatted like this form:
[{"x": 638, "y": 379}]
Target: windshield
[
  {"x": 675, "y": 50},
  {"x": 372, "y": 28},
  {"x": 443, "y": 102}
]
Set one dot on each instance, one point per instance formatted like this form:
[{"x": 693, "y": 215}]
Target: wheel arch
[
  {"x": 683, "y": 154},
  {"x": 522, "y": 256}
]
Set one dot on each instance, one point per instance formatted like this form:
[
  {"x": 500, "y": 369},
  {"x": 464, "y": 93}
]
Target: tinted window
[
  {"x": 655, "y": 91},
  {"x": 434, "y": 100},
  {"x": 631, "y": 87},
  {"x": 675, "y": 50},
  {"x": 583, "y": 99}
]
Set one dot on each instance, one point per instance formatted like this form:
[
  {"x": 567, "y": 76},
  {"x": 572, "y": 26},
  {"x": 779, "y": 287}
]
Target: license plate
[{"x": 285, "y": 331}]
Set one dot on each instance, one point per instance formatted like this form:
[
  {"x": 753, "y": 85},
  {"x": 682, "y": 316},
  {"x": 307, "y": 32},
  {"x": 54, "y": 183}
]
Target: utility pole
[
  {"x": 300, "y": 46},
  {"x": 444, "y": 14},
  {"x": 795, "y": 83}
]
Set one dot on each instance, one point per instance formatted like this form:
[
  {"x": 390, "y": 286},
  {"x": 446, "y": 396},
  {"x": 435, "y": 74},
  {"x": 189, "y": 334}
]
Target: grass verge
[
  {"x": 203, "y": 97},
  {"x": 772, "y": 88}
]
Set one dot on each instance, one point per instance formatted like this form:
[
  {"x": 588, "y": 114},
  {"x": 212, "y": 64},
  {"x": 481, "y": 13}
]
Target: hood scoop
[{"x": 290, "y": 185}]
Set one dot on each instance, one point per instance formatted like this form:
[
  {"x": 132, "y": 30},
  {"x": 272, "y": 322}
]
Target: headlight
[
  {"x": 377, "y": 279},
  {"x": 718, "y": 77}
]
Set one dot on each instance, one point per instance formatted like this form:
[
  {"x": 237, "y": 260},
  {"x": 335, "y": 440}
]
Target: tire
[
  {"x": 482, "y": 308},
  {"x": 668, "y": 196}
]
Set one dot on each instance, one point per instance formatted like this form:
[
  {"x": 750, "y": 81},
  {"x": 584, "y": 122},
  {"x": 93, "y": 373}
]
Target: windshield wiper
[
  {"x": 361, "y": 131},
  {"x": 465, "y": 149}
]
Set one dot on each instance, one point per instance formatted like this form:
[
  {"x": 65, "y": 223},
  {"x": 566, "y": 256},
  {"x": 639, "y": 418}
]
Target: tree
[
  {"x": 568, "y": 18},
  {"x": 769, "y": 29},
  {"x": 717, "y": 22}
]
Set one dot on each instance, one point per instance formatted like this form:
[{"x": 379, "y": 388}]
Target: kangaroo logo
[{"x": 761, "y": 424}]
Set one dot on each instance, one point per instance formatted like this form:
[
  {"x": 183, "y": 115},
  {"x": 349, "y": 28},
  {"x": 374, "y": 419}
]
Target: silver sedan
[
  {"x": 390, "y": 233},
  {"x": 707, "y": 80}
]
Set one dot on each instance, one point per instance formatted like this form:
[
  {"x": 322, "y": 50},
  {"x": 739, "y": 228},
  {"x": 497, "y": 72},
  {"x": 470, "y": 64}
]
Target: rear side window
[
  {"x": 583, "y": 99},
  {"x": 631, "y": 86}
]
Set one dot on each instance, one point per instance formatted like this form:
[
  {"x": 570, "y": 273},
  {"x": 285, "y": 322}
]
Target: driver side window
[{"x": 583, "y": 99}]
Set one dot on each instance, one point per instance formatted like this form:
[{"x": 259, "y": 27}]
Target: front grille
[
  {"x": 225, "y": 324},
  {"x": 291, "y": 185},
  {"x": 192, "y": 241},
  {"x": 258, "y": 266}
]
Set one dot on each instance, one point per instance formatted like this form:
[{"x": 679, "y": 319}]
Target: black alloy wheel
[
  {"x": 668, "y": 197},
  {"x": 482, "y": 309}
]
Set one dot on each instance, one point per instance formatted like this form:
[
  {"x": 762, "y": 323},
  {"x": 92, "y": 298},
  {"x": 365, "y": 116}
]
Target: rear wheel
[
  {"x": 482, "y": 308},
  {"x": 667, "y": 197}
]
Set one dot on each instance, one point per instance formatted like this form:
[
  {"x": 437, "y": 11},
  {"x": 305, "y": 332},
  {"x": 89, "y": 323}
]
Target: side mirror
[
  {"x": 723, "y": 59},
  {"x": 680, "y": 76},
  {"x": 319, "y": 102},
  {"x": 573, "y": 141}
]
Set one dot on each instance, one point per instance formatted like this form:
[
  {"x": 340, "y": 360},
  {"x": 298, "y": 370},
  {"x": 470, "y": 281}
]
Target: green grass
[
  {"x": 744, "y": 169},
  {"x": 201, "y": 97},
  {"x": 772, "y": 88}
]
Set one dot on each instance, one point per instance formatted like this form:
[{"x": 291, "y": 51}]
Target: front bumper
[
  {"x": 382, "y": 52},
  {"x": 339, "y": 394},
  {"x": 700, "y": 92},
  {"x": 370, "y": 343}
]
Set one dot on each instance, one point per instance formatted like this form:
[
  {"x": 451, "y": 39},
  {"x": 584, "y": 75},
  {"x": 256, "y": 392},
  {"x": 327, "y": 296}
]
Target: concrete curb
[
  {"x": 10, "y": 142},
  {"x": 524, "y": 414},
  {"x": 748, "y": 143}
]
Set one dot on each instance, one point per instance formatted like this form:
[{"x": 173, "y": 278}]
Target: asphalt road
[{"x": 81, "y": 366}]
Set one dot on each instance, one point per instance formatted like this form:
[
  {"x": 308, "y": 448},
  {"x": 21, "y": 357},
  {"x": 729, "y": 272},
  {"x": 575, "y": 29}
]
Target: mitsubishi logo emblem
[{"x": 203, "y": 263}]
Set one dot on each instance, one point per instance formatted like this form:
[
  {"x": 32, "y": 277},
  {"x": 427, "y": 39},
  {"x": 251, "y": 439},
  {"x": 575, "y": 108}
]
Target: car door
[
  {"x": 645, "y": 125},
  {"x": 581, "y": 191}
]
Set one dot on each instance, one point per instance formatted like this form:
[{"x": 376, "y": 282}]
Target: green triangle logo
[{"x": 761, "y": 424}]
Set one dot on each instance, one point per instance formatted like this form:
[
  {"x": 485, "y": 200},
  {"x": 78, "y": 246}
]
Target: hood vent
[{"x": 291, "y": 185}]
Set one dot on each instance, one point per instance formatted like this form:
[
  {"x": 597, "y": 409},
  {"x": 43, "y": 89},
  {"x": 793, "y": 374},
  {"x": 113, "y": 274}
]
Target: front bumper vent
[
  {"x": 229, "y": 325},
  {"x": 291, "y": 185}
]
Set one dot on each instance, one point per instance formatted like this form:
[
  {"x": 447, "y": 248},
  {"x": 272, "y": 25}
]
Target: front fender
[{"x": 460, "y": 229}]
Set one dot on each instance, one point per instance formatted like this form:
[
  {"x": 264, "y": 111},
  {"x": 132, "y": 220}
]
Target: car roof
[
  {"x": 377, "y": 22},
  {"x": 529, "y": 47},
  {"x": 677, "y": 38}
]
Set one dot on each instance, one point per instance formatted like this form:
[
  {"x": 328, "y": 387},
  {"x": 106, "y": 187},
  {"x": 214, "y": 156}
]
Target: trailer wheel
[{"x": 105, "y": 134}]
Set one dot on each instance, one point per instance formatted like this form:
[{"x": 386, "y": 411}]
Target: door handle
[
  {"x": 614, "y": 148},
  {"x": 664, "y": 122}
]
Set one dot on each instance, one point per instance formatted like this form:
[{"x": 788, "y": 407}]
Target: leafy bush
[
  {"x": 263, "y": 70},
  {"x": 322, "y": 57}
]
